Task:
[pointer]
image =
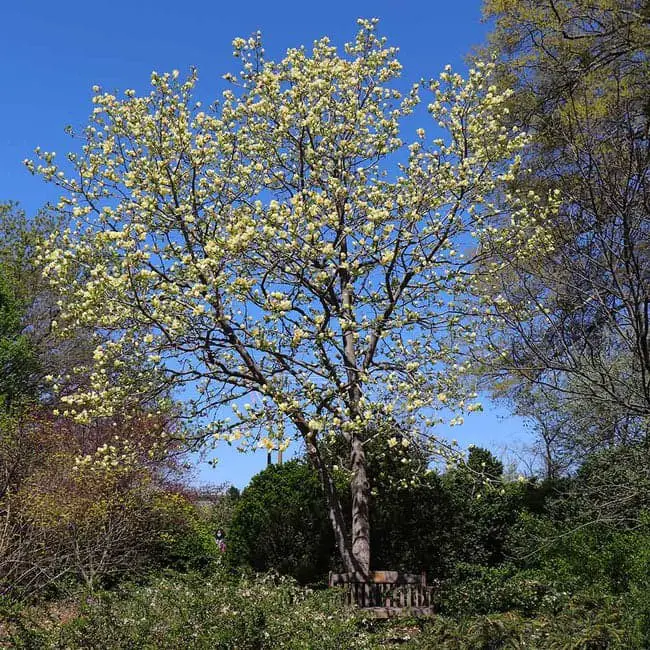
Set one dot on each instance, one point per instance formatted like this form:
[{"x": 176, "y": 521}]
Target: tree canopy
[
  {"x": 575, "y": 312},
  {"x": 286, "y": 250}
]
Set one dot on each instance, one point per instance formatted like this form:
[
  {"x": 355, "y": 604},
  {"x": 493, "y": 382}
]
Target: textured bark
[
  {"x": 360, "y": 515},
  {"x": 359, "y": 486}
]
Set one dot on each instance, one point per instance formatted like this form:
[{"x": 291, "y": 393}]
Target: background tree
[
  {"x": 422, "y": 520},
  {"x": 89, "y": 502},
  {"x": 18, "y": 363},
  {"x": 576, "y": 310},
  {"x": 30, "y": 350},
  {"x": 284, "y": 251},
  {"x": 413, "y": 523},
  {"x": 217, "y": 504},
  {"x": 76, "y": 500}
]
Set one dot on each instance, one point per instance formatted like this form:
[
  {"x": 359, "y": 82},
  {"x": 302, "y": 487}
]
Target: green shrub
[
  {"x": 474, "y": 590},
  {"x": 220, "y": 612},
  {"x": 578, "y": 629},
  {"x": 280, "y": 523},
  {"x": 185, "y": 540},
  {"x": 582, "y": 557},
  {"x": 223, "y": 612}
]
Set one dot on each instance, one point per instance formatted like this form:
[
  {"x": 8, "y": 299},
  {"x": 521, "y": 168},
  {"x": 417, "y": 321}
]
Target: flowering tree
[{"x": 285, "y": 251}]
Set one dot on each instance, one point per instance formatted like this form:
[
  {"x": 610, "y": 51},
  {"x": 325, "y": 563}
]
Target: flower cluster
[{"x": 284, "y": 251}]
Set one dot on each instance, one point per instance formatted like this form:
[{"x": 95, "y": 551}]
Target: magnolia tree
[{"x": 285, "y": 251}]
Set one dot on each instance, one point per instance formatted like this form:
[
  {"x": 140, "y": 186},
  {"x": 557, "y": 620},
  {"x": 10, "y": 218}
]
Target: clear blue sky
[{"x": 51, "y": 53}]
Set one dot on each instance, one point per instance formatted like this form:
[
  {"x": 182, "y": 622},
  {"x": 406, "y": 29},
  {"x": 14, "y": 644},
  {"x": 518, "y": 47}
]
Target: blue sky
[{"x": 51, "y": 53}]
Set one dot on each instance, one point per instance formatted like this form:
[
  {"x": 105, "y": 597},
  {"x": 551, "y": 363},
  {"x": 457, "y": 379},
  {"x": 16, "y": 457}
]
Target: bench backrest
[{"x": 390, "y": 589}]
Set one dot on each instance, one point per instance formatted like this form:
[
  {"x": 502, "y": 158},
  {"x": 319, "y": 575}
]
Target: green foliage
[
  {"x": 220, "y": 611},
  {"x": 185, "y": 541},
  {"x": 465, "y": 515},
  {"x": 217, "y": 505},
  {"x": 614, "y": 484},
  {"x": 216, "y": 612},
  {"x": 579, "y": 71},
  {"x": 280, "y": 522},
  {"x": 428, "y": 523},
  {"x": 412, "y": 527},
  {"x": 475, "y": 590},
  {"x": 593, "y": 556},
  {"x": 483, "y": 509},
  {"x": 26, "y": 307},
  {"x": 578, "y": 627},
  {"x": 18, "y": 361},
  {"x": 484, "y": 463},
  {"x": 593, "y": 563}
]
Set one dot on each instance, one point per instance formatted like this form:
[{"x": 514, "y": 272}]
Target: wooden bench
[{"x": 386, "y": 593}]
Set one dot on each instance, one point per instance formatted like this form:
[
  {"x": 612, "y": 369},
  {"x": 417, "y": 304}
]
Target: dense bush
[
  {"x": 70, "y": 512},
  {"x": 465, "y": 515},
  {"x": 592, "y": 555},
  {"x": 579, "y": 628},
  {"x": 183, "y": 540},
  {"x": 483, "y": 509},
  {"x": 190, "y": 611},
  {"x": 429, "y": 522},
  {"x": 267, "y": 612},
  {"x": 474, "y": 589},
  {"x": 280, "y": 523},
  {"x": 18, "y": 361}
]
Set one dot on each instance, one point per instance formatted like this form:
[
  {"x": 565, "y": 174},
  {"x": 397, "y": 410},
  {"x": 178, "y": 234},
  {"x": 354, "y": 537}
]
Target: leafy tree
[
  {"x": 183, "y": 537},
  {"x": 613, "y": 485},
  {"x": 280, "y": 522},
  {"x": 557, "y": 426},
  {"x": 21, "y": 236},
  {"x": 58, "y": 518},
  {"x": 484, "y": 508},
  {"x": 29, "y": 306},
  {"x": 18, "y": 361},
  {"x": 216, "y": 503},
  {"x": 413, "y": 526},
  {"x": 89, "y": 501},
  {"x": 575, "y": 312},
  {"x": 422, "y": 521},
  {"x": 285, "y": 248},
  {"x": 484, "y": 463}
]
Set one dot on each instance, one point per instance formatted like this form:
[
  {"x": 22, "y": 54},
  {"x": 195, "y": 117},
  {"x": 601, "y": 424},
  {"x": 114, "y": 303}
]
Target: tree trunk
[
  {"x": 360, "y": 504},
  {"x": 359, "y": 486},
  {"x": 334, "y": 509}
]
